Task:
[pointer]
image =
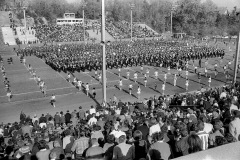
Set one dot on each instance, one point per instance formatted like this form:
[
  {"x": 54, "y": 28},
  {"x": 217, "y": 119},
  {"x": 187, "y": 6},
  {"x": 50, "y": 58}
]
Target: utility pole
[
  {"x": 103, "y": 54},
  {"x": 236, "y": 59},
  {"x": 25, "y": 23},
  {"x": 131, "y": 7},
  {"x": 84, "y": 5}
]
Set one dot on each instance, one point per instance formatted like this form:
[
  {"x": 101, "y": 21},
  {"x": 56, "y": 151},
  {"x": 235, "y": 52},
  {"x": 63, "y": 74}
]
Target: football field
[{"x": 28, "y": 98}]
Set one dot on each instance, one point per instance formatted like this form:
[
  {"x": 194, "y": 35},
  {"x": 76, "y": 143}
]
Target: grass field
[{"x": 28, "y": 98}]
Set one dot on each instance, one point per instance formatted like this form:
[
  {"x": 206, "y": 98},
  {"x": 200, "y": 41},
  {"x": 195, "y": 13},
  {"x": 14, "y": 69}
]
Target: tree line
[{"x": 189, "y": 16}]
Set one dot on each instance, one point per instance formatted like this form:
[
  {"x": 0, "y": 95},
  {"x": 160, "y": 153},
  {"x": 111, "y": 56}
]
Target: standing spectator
[
  {"x": 67, "y": 117},
  {"x": 58, "y": 150},
  {"x": 92, "y": 110},
  {"x": 43, "y": 153},
  {"x": 27, "y": 129},
  {"x": 108, "y": 147},
  {"x": 35, "y": 118},
  {"x": 159, "y": 149},
  {"x": 92, "y": 120},
  {"x": 62, "y": 118},
  {"x": 194, "y": 143},
  {"x": 144, "y": 129},
  {"x": 217, "y": 132},
  {"x": 202, "y": 135},
  {"x": 80, "y": 145},
  {"x": 81, "y": 113},
  {"x": 234, "y": 126},
  {"x": 57, "y": 119},
  {"x": 155, "y": 127},
  {"x": 42, "y": 121},
  {"x": 67, "y": 138},
  {"x": 182, "y": 145},
  {"x": 123, "y": 150},
  {"x": 139, "y": 146},
  {"x": 94, "y": 152}
]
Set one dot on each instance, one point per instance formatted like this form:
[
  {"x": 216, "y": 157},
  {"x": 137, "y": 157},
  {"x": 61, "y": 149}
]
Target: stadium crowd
[
  {"x": 59, "y": 33},
  {"x": 163, "y": 127},
  {"x": 80, "y": 57},
  {"x": 122, "y": 29}
]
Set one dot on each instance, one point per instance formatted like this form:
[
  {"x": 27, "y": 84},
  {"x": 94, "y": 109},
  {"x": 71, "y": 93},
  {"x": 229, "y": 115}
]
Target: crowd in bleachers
[
  {"x": 60, "y": 33},
  {"x": 122, "y": 29},
  {"x": 163, "y": 127}
]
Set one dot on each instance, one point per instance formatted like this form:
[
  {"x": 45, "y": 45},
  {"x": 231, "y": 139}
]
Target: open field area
[{"x": 27, "y": 96}]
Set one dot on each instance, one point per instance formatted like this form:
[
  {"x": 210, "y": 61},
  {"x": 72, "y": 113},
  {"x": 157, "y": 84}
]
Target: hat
[{"x": 24, "y": 149}]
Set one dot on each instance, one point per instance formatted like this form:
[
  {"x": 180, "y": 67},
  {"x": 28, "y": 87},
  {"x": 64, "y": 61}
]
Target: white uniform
[{"x": 156, "y": 74}]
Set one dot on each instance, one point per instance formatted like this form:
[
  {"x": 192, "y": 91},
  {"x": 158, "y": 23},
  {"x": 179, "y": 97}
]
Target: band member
[
  {"x": 224, "y": 69},
  {"x": 186, "y": 74},
  {"x": 155, "y": 86},
  {"x": 53, "y": 100},
  {"x": 145, "y": 81},
  {"x": 139, "y": 92},
  {"x": 163, "y": 88},
  {"x": 94, "y": 93},
  {"x": 68, "y": 77},
  {"x": 9, "y": 95},
  {"x": 209, "y": 81},
  {"x": 165, "y": 77},
  {"x": 87, "y": 88},
  {"x": 130, "y": 88},
  {"x": 34, "y": 74},
  {"x": 205, "y": 71},
  {"x": 199, "y": 77},
  {"x": 156, "y": 74},
  {"x": 119, "y": 72},
  {"x": 169, "y": 69},
  {"x": 79, "y": 85},
  {"x": 135, "y": 77},
  {"x": 100, "y": 77},
  {"x": 147, "y": 72},
  {"x": 142, "y": 69},
  {"x": 179, "y": 71},
  {"x": 175, "y": 80},
  {"x": 75, "y": 81},
  {"x": 195, "y": 69},
  {"x": 96, "y": 74},
  {"x": 120, "y": 84},
  {"x": 187, "y": 84},
  {"x": 128, "y": 74}
]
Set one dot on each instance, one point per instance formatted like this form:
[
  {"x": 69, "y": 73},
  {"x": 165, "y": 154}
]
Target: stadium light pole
[
  {"x": 83, "y": 13},
  {"x": 25, "y": 23},
  {"x": 236, "y": 59},
  {"x": 131, "y": 7},
  {"x": 103, "y": 54}
]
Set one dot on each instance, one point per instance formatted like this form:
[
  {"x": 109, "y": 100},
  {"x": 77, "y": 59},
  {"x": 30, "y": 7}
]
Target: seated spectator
[
  {"x": 43, "y": 153},
  {"x": 194, "y": 143}
]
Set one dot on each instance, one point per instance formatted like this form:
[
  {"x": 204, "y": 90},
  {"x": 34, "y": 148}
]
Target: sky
[
  {"x": 221, "y": 3},
  {"x": 227, "y": 3}
]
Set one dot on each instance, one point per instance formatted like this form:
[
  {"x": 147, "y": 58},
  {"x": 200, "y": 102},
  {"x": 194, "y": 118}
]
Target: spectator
[
  {"x": 94, "y": 152},
  {"x": 57, "y": 150},
  {"x": 80, "y": 145},
  {"x": 234, "y": 126},
  {"x": 194, "y": 143},
  {"x": 159, "y": 149},
  {"x": 43, "y": 153},
  {"x": 123, "y": 151},
  {"x": 139, "y": 146}
]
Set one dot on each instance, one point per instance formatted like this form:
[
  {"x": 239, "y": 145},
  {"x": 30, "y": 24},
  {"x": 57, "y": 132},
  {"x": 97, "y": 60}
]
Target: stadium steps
[
  {"x": 149, "y": 28},
  {"x": 98, "y": 36},
  {"x": 4, "y": 18},
  {"x": 8, "y": 36}
]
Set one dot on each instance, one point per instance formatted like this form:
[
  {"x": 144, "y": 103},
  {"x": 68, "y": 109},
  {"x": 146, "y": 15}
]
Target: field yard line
[
  {"x": 24, "y": 69},
  {"x": 43, "y": 98},
  {"x": 116, "y": 75},
  {"x": 129, "y": 69},
  {"x": 40, "y": 91},
  {"x": 59, "y": 75}
]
